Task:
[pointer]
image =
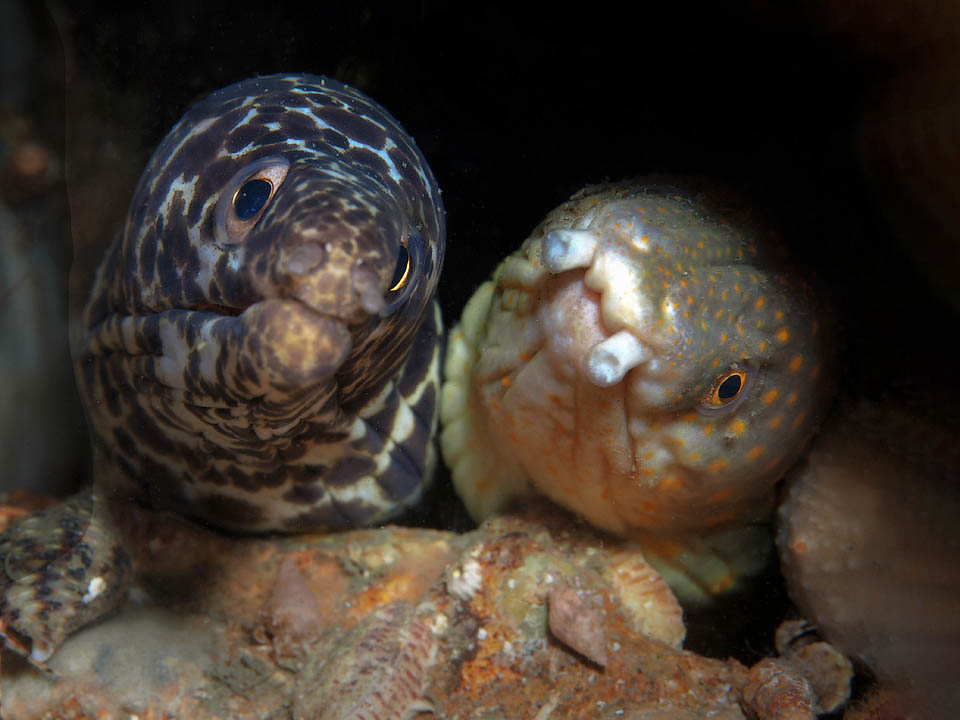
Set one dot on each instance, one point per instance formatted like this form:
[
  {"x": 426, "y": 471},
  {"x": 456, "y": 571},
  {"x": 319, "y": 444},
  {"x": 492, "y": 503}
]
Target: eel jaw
[{"x": 293, "y": 344}]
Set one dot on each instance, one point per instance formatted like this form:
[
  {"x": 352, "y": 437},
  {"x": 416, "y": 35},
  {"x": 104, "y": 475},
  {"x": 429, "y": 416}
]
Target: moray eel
[
  {"x": 262, "y": 342},
  {"x": 645, "y": 360}
]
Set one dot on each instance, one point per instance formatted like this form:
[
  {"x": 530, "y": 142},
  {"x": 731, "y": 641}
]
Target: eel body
[
  {"x": 262, "y": 339},
  {"x": 261, "y": 346},
  {"x": 647, "y": 360}
]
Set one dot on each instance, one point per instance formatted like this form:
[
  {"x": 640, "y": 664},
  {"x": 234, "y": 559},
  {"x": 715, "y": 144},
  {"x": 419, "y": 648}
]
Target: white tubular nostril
[
  {"x": 568, "y": 249},
  {"x": 608, "y": 361}
]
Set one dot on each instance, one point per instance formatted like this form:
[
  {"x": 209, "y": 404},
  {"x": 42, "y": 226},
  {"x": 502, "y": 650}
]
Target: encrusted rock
[
  {"x": 576, "y": 623},
  {"x": 388, "y": 622}
]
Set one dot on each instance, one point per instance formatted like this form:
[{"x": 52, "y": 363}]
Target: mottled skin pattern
[
  {"x": 261, "y": 346},
  {"x": 597, "y": 368},
  {"x": 268, "y": 378}
]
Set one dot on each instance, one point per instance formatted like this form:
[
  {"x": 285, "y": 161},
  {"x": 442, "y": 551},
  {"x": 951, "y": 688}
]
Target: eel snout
[{"x": 603, "y": 293}]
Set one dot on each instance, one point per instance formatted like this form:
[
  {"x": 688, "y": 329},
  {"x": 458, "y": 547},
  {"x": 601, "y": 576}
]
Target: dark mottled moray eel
[
  {"x": 262, "y": 340},
  {"x": 647, "y": 359}
]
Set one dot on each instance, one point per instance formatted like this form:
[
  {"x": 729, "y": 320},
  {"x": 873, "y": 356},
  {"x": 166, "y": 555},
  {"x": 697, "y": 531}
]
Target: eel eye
[
  {"x": 409, "y": 265},
  {"x": 247, "y": 196},
  {"x": 401, "y": 273},
  {"x": 729, "y": 387},
  {"x": 251, "y": 198}
]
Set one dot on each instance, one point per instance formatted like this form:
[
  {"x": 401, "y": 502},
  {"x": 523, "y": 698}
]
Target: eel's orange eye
[{"x": 726, "y": 389}]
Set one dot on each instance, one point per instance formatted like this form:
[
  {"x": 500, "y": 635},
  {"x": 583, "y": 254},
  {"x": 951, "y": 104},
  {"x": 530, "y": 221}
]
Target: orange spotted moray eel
[
  {"x": 647, "y": 360},
  {"x": 261, "y": 347}
]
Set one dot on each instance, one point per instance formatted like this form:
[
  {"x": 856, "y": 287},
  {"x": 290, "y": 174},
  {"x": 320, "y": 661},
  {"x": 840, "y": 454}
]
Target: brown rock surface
[{"x": 392, "y": 621}]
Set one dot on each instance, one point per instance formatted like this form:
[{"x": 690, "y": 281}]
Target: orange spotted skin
[{"x": 727, "y": 365}]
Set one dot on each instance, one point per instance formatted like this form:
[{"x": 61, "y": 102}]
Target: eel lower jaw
[{"x": 293, "y": 344}]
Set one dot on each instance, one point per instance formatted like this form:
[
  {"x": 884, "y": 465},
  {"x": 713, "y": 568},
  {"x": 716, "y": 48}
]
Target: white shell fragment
[
  {"x": 568, "y": 249},
  {"x": 466, "y": 580},
  {"x": 608, "y": 361},
  {"x": 94, "y": 589}
]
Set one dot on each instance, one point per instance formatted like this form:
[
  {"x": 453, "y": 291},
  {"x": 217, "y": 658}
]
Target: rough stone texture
[
  {"x": 249, "y": 627},
  {"x": 780, "y": 125},
  {"x": 869, "y": 544},
  {"x": 809, "y": 678}
]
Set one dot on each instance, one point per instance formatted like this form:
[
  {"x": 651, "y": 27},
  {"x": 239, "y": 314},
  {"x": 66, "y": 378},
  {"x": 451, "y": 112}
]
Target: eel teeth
[
  {"x": 568, "y": 249},
  {"x": 608, "y": 361}
]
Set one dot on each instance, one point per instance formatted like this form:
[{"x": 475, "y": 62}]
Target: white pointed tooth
[
  {"x": 568, "y": 249},
  {"x": 608, "y": 361}
]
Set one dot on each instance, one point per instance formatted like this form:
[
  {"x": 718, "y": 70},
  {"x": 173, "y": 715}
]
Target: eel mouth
[
  {"x": 364, "y": 300},
  {"x": 352, "y": 296},
  {"x": 215, "y": 309},
  {"x": 296, "y": 344}
]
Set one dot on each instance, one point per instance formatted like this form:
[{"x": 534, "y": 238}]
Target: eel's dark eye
[
  {"x": 246, "y": 197},
  {"x": 727, "y": 388},
  {"x": 251, "y": 197},
  {"x": 730, "y": 387},
  {"x": 401, "y": 273}
]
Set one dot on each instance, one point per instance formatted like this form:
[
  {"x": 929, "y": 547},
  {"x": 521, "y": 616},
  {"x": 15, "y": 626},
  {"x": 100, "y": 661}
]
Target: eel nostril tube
[
  {"x": 608, "y": 361},
  {"x": 568, "y": 249}
]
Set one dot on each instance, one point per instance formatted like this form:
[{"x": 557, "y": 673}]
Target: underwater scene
[{"x": 407, "y": 360}]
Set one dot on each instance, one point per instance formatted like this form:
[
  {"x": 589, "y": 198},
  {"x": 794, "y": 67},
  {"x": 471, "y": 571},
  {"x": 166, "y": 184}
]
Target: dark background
[{"x": 516, "y": 107}]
